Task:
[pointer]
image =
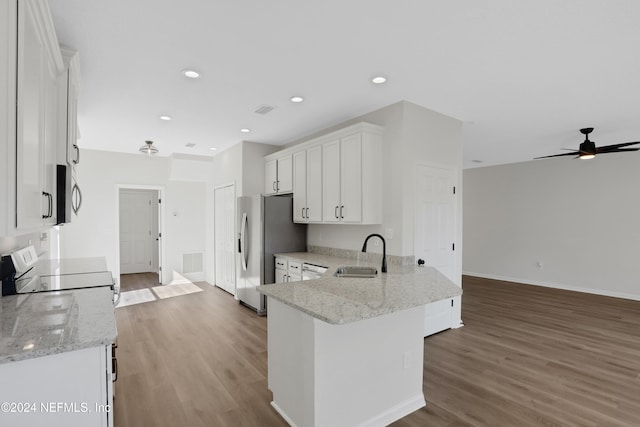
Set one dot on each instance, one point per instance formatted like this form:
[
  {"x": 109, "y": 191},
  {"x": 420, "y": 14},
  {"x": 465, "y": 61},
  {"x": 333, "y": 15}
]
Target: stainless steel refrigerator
[{"x": 266, "y": 227}]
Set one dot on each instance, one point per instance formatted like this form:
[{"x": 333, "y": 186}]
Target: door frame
[
  {"x": 161, "y": 229},
  {"x": 235, "y": 228}
]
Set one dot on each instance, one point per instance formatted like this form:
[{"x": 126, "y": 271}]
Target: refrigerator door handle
[{"x": 243, "y": 241}]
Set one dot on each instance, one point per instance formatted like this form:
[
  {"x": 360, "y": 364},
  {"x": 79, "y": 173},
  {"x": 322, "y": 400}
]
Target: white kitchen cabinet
[
  {"x": 278, "y": 174},
  {"x": 80, "y": 379},
  {"x": 307, "y": 185},
  {"x": 351, "y": 179},
  {"x": 287, "y": 271},
  {"x": 29, "y": 70},
  {"x": 68, "y": 91}
]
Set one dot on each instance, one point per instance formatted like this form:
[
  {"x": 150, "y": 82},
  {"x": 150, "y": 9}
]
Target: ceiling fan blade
[
  {"x": 616, "y": 150},
  {"x": 607, "y": 147},
  {"x": 573, "y": 153}
]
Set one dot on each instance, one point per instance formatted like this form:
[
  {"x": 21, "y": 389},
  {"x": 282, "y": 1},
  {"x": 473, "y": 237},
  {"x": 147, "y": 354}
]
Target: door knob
[{"x": 420, "y": 261}]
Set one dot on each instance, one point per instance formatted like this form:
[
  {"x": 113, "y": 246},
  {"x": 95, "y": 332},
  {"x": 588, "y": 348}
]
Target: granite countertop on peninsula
[
  {"x": 45, "y": 323},
  {"x": 339, "y": 300}
]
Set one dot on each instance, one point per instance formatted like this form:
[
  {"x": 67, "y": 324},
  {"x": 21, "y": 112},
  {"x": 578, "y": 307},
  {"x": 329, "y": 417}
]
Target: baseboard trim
[
  {"x": 282, "y": 414},
  {"x": 396, "y": 412},
  {"x": 600, "y": 292}
]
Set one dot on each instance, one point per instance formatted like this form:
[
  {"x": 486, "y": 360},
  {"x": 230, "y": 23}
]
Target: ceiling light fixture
[
  {"x": 165, "y": 118},
  {"x": 192, "y": 74},
  {"x": 297, "y": 99},
  {"x": 245, "y": 130},
  {"x": 379, "y": 80},
  {"x": 148, "y": 148}
]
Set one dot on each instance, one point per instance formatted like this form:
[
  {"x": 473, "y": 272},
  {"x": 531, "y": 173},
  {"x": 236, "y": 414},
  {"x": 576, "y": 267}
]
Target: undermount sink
[{"x": 356, "y": 271}]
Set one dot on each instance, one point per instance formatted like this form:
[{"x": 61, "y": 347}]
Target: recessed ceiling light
[
  {"x": 165, "y": 118},
  {"x": 245, "y": 130},
  {"x": 192, "y": 74},
  {"x": 297, "y": 99},
  {"x": 379, "y": 80},
  {"x": 213, "y": 148}
]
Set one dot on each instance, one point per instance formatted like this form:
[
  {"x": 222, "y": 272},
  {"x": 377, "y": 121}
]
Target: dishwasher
[{"x": 312, "y": 271}]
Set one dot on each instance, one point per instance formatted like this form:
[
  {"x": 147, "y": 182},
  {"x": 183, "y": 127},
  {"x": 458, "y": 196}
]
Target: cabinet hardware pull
[
  {"x": 277, "y": 185},
  {"x": 77, "y": 160},
  {"x": 76, "y": 198},
  {"x": 274, "y": 186},
  {"x": 307, "y": 213},
  {"x": 335, "y": 211},
  {"x": 49, "y": 205},
  {"x": 341, "y": 208},
  {"x": 302, "y": 212}
]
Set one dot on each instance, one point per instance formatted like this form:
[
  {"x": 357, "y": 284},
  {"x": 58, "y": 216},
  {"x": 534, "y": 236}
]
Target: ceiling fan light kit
[
  {"x": 148, "y": 149},
  {"x": 588, "y": 149}
]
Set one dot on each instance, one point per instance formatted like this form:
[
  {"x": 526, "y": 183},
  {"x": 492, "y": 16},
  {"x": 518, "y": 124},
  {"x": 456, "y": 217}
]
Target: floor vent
[{"x": 192, "y": 262}]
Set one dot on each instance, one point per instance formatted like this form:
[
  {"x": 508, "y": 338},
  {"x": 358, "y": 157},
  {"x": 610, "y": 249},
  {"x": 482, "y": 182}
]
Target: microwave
[{"x": 68, "y": 194}]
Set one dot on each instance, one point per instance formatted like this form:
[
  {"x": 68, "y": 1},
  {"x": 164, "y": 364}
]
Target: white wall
[
  {"x": 578, "y": 218},
  {"x": 94, "y": 232}
]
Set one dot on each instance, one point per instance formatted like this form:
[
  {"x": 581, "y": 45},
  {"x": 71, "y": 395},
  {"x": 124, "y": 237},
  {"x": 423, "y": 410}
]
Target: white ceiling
[{"x": 522, "y": 76}]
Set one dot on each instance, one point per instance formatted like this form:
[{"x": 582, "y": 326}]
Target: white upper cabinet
[
  {"x": 307, "y": 185},
  {"x": 337, "y": 178},
  {"x": 278, "y": 174},
  {"x": 38, "y": 67},
  {"x": 68, "y": 91},
  {"x": 30, "y": 66}
]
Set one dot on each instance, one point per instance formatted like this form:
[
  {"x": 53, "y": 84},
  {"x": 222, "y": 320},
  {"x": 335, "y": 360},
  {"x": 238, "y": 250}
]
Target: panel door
[
  {"x": 299, "y": 186},
  {"x": 136, "y": 234},
  {"x": 351, "y": 178},
  {"x": 224, "y": 238},
  {"x": 285, "y": 174},
  {"x": 314, "y": 184},
  {"x": 435, "y": 218},
  {"x": 331, "y": 181}
]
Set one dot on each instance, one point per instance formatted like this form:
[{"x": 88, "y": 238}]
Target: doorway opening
[{"x": 139, "y": 215}]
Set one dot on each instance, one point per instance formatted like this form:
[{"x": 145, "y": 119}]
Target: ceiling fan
[{"x": 588, "y": 149}]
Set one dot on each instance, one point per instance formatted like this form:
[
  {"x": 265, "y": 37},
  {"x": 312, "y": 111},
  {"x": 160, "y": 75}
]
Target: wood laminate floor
[{"x": 527, "y": 356}]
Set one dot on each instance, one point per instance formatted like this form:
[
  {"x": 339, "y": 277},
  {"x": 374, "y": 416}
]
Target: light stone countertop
[
  {"x": 338, "y": 300},
  {"x": 45, "y": 323}
]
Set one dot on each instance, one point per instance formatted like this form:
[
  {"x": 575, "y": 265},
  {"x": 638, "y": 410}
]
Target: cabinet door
[
  {"x": 299, "y": 186},
  {"x": 285, "y": 175},
  {"x": 31, "y": 204},
  {"x": 314, "y": 184},
  {"x": 270, "y": 176},
  {"x": 331, "y": 181},
  {"x": 351, "y": 178},
  {"x": 49, "y": 150},
  {"x": 281, "y": 276}
]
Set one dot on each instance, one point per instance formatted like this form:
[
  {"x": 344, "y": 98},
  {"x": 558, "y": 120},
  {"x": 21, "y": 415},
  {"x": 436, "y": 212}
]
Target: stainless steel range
[{"x": 23, "y": 272}]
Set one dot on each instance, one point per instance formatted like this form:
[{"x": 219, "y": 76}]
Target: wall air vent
[
  {"x": 264, "y": 109},
  {"x": 190, "y": 145}
]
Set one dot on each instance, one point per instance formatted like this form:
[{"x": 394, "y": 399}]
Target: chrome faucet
[{"x": 384, "y": 250}]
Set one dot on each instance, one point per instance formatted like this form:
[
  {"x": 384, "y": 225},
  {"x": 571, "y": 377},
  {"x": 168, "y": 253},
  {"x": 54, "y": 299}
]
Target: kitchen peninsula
[{"x": 349, "y": 351}]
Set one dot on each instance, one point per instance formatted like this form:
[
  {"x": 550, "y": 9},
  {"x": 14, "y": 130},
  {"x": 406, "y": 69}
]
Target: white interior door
[
  {"x": 435, "y": 216},
  {"x": 224, "y": 238},
  {"x": 137, "y": 235}
]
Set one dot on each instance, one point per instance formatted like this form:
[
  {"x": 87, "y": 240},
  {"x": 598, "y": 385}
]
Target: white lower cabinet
[
  {"x": 439, "y": 316},
  {"x": 67, "y": 389},
  {"x": 287, "y": 271}
]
